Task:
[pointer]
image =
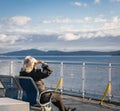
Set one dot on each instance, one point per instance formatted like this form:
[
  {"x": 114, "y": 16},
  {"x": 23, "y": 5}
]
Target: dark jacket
[{"x": 38, "y": 75}]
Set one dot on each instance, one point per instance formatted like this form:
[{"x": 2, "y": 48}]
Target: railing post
[
  {"x": 11, "y": 72},
  {"x": 61, "y": 75},
  {"x": 11, "y": 68},
  {"x": 83, "y": 80},
  {"x": 109, "y": 80}
]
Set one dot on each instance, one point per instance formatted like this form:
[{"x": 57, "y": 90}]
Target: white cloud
[
  {"x": 114, "y": 23},
  {"x": 79, "y": 4},
  {"x": 88, "y": 19},
  {"x": 69, "y": 21},
  {"x": 113, "y": 26},
  {"x": 2, "y": 38},
  {"x": 62, "y": 20},
  {"x": 9, "y": 38},
  {"x": 99, "y": 20},
  {"x": 69, "y": 37},
  {"x": 68, "y": 30},
  {"x": 57, "y": 20},
  {"x": 19, "y": 20},
  {"x": 104, "y": 28},
  {"x": 96, "y": 1}
]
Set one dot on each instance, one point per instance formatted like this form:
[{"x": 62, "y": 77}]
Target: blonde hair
[{"x": 29, "y": 63}]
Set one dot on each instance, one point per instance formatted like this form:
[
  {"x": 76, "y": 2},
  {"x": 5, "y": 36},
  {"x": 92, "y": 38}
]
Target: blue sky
[{"x": 67, "y": 25}]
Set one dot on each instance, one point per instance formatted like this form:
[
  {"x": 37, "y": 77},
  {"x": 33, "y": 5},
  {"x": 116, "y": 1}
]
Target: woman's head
[{"x": 29, "y": 63}]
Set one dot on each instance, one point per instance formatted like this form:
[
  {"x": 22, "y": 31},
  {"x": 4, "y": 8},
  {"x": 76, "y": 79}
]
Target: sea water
[{"x": 105, "y": 58}]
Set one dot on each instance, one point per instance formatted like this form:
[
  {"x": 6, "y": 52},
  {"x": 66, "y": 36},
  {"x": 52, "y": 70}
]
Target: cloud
[
  {"x": 79, "y": 4},
  {"x": 2, "y": 38},
  {"x": 96, "y": 1},
  {"x": 19, "y": 20},
  {"x": 57, "y": 20},
  {"x": 67, "y": 30},
  {"x": 8, "y": 39},
  {"x": 114, "y": 23},
  {"x": 68, "y": 37},
  {"x": 69, "y": 21},
  {"x": 109, "y": 28},
  {"x": 113, "y": 26},
  {"x": 100, "y": 20}
]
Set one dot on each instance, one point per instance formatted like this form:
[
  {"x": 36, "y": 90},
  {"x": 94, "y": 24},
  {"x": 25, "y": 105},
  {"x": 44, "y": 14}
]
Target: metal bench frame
[
  {"x": 23, "y": 81},
  {"x": 9, "y": 82}
]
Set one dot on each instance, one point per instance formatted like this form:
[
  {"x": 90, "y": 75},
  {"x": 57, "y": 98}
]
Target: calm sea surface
[
  {"x": 83, "y": 58},
  {"x": 69, "y": 58}
]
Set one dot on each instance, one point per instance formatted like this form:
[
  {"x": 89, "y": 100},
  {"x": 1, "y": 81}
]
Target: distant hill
[{"x": 53, "y": 52}]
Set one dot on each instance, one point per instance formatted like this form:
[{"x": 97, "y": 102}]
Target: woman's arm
[{"x": 38, "y": 62}]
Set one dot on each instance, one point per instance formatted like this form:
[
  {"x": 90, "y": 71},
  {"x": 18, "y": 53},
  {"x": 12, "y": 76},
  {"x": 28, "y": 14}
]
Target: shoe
[{"x": 71, "y": 109}]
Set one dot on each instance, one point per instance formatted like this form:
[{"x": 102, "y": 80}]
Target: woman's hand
[{"x": 40, "y": 62}]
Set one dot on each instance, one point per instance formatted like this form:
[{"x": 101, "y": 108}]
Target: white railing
[{"x": 86, "y": 79}]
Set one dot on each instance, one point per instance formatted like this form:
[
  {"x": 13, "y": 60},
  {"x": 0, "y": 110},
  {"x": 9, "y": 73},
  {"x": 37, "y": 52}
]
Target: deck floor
[{"x": 87, "y": 105}]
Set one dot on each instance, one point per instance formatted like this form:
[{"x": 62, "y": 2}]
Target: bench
[{"x": 31, "y": 94}]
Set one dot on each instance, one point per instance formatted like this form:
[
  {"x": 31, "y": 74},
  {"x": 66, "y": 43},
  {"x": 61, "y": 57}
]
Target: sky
[{"x": 65, "y": 25}]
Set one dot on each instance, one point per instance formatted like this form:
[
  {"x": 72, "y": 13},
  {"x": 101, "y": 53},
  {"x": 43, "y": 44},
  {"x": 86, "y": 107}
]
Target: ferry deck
[{"x": 86, "y": 104}]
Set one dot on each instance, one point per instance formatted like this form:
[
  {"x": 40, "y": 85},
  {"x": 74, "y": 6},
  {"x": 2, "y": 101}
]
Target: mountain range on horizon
[{"x": 36, "y": 52}]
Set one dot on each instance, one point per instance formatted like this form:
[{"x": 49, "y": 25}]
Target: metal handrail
[{"x": 83, "y": 65}]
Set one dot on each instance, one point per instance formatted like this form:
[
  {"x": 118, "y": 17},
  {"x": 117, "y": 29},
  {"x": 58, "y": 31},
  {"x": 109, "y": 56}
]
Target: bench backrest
[
  {"x": 30, "y": 90},
  {"x": 12, "y": 88}
]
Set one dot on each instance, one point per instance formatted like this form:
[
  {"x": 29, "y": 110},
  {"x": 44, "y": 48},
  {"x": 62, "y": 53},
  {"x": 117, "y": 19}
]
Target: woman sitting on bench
[{"x": 30, "y": 69}]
